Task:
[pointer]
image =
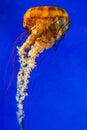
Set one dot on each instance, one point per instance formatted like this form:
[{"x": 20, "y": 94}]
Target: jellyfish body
[{"x": 45, "y": 24}]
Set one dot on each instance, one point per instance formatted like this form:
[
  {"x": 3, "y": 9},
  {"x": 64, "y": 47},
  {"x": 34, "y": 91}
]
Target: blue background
[{"x": 58, "y": 86}]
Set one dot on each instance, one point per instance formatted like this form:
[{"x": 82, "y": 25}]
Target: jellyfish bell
[
  {"x": 48, "y": 17},
  {"x": 45, "y": 24}
]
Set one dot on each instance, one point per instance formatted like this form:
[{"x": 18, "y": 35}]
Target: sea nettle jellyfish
[{"x": 45, "y": 24}]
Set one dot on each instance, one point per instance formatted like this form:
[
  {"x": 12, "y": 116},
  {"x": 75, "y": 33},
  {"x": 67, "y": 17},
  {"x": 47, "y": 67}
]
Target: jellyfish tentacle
[
  {"x": 36, "y": 32},
  {"x": 27, "y": 64},
  {"x": 44, "y": 42},
  {"x": 27, "y": 44}
]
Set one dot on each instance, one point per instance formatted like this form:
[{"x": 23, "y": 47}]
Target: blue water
[{"x": 58, "y": 86}]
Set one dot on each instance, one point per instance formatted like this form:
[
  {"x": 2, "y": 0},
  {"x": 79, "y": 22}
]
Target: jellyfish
[{"x": 45, "y": 24}]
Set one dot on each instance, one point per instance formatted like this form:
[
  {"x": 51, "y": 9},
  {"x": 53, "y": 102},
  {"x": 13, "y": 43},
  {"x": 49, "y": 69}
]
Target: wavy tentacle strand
[{"x": 27, "y": 63}]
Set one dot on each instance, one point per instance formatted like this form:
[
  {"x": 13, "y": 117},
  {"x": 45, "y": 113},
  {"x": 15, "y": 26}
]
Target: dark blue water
[{"x": 58, "y": 86}]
